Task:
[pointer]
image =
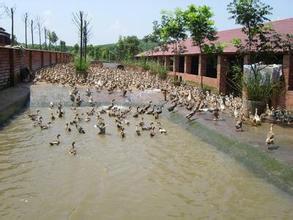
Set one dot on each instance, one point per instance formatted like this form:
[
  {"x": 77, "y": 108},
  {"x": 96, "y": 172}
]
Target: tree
[
  {"x": 127, "y": 47},
  {"x": 261, "y": 44},
  {"x": 10, "y": 12},
  {"x": 32, "y": 32},
  {"x": 200, "y": 25},
  {"x": 45, "y": 36},
  {"x": 261, "y": 39},
  {"x": 62, "y": 46},
  {"x": 201, "y": 28},
  {"x": 171, "y": 30},
  {"x": 76, "y": 48},
  {"x": 25, "y": 17},
  {"x": 39, "y": 27},
  {"x": 52, "y": 36},
  {"x": 86, "y": 33},
  {"x": 78, "y": 19}
]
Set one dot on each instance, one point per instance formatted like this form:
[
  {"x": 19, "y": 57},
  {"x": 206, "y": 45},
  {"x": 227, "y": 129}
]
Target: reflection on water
[{"x": 173, "y": 176}]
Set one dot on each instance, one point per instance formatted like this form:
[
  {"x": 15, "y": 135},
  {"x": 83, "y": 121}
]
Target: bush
[
  {"x": 260, "y": 87},
  {"x": 81, "y": 66},
  {"x": 152, "y": 66}
]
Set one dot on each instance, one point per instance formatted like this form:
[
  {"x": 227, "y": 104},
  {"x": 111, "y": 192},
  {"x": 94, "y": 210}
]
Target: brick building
[
  {"x": 4, "y": 37},
  {"x": 214, "y": 70}
]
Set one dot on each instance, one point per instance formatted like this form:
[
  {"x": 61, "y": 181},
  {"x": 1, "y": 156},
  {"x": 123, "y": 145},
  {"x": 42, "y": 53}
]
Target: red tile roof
[{"x": 281, "y": 26}]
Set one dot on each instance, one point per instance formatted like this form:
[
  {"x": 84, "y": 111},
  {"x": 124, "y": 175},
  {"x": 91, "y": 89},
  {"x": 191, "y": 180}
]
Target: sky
[{"x": 109, "y": 19}]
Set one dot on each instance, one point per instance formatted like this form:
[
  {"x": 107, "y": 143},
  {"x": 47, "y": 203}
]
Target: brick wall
[{"x": 12, "y": 60}]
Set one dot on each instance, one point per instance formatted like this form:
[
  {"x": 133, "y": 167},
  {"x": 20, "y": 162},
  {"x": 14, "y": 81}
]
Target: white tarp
[{"x": 273, "y": 70}]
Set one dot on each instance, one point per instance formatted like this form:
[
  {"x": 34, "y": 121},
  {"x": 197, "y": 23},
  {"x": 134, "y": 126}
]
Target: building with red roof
[{"x": 214, "y": 70}]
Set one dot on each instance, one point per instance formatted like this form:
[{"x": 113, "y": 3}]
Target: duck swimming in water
[
  {"x": 270, "y": 140},
  {"x": 72, "y": 151},
  {"x": 56, "y": 142},
  {"x": 137, "y": 130}
]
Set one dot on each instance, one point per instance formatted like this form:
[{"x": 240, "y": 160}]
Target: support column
[
  {"x": 165, "y": 62},
  {"x": 187, "y": 64},
  {"x": 30, "y": 61},
  {"x": 222, "y": 67},
  {"x": 42, "y": 59},
  {"x": 12, "y": 68},
  {"x": 50, "y": 56},
  {"x": 202, "y": 63},
  {"x": 176, "y": 64}
]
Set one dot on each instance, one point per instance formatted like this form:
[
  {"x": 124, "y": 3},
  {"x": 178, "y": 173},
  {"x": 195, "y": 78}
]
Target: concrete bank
[
  {"x": 12, "y": 101},
  {"x": 260, "y": 163}
]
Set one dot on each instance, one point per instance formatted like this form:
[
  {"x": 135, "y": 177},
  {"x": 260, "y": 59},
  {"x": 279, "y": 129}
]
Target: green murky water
[{"x": 173, "y": 176}]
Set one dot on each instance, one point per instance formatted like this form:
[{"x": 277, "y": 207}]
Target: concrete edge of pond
[
  {"x": 261, "y": 164},
  {"x": 12, "y": 101}
]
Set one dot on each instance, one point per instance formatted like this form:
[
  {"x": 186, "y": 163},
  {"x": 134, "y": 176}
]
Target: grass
[
  {"x": 151, "y": 66},
  {"x": 81, "y": 66},
  {"x": 253, "y": 158}
]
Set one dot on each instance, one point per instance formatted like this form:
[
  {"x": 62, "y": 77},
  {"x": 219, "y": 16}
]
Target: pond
[{"x": 172, "y": 176}]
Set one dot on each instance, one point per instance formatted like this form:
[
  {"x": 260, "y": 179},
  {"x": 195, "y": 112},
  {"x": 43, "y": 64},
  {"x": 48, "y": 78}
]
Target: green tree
[
  {"x": 52, "y": 37},
  {"x": 76, "y": 48},
  {"x": 63, "y": 46},
  {"x": 171, "y": 31},
  {"x": 261, "y": 44},
  {"x": 127, "y": 47},
  {"x": 199, "y": 23}
]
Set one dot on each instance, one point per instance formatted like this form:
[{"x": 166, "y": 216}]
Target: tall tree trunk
[
  {"x": 12, "y": 26},
  {"x": 85, "y": 39},
  {"x": 81, "y": 36},
  {"x": 25, "y": 29},
  {"x": 40, "y": 38},
  {"x": 45, "y": 33},
  {"x": 32, "y": 32}
]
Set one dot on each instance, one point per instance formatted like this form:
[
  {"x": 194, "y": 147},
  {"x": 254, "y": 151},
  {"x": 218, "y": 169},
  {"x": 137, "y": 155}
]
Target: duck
[
  {"x": 256, "y": 119},
  {"x": 56, "y": 142},
  {"x": 172, "y": 107},
  {"x": 122, "y": 133},
  {"x": 141, "y": 123},
  {"x": 270, "y": 136},
  {"x": 51, "y": 105},
  {"x": 72, "y": 151},
  {"x": 52, "y": 116},
  {"x": 80, "y": 129},
  {"x": 35, "y": 116},
  {"x": 188, "y": 116},
  {"x": 270, "y": 140},
  {"x": 216, "y": 114},
  {"x": 137, "y": 130},
  {"x": 152, "y": 132},
  {"x": 239, "y": 124},
  {"x": 102, "y": 128},
  {"x": 67, "y": 128},
  {"x": 162, "y": 131},
  {"x": 88, "y": 92}
]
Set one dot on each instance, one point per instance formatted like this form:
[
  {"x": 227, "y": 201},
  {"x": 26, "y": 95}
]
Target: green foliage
[
  {"x": 81, "y": 66},
  {"x": 127, "y": 47},
  {"x": 200, "y": 25},
  {"x": 151, "y": 66},
  {"x": 251, "y": 14},
  {"x": 52, "y": 36},
  {"x": 260, "y": 87}
]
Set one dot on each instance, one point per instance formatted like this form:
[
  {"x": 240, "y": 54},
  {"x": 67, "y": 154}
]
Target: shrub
[
  {"x": 81, "y": 66},
  {"x": 260, "y": 87},
  {"x": 152, "y": 66}
]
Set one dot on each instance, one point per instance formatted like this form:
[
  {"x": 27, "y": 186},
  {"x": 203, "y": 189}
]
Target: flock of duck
[{"x": 123, "y": 82}]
